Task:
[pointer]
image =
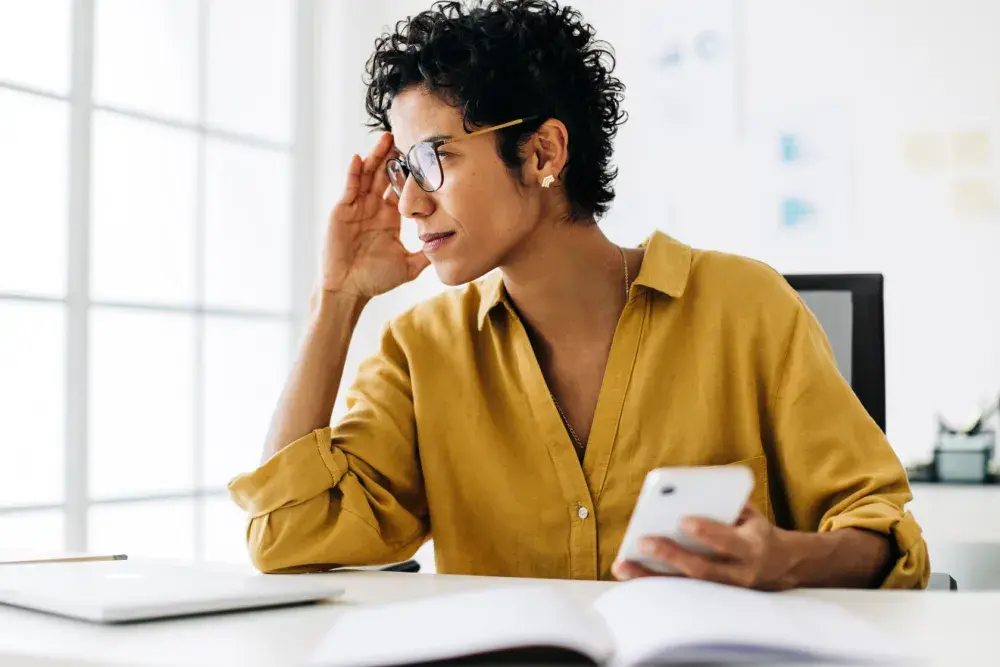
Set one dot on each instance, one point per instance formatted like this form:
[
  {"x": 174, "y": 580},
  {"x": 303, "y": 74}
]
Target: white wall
[{"x": 885, "y": 69}]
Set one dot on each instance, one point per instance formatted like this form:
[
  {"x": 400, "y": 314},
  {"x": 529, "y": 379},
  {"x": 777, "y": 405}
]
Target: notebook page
[
  {"x": 461, "y": 624},
  {"x": 688, "y": 620}
]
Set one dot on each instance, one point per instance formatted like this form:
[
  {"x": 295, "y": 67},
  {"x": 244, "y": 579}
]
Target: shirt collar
[
  {"x": 491, "y": 293},
  {"x": 666, "y": 265},
  {"x": 665, "y": 268}
]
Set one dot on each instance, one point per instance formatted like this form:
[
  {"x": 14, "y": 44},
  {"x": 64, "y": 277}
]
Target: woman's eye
[{"x": 443, "y": 155}]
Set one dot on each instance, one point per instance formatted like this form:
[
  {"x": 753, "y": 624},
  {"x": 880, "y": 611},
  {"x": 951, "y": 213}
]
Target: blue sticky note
[
  {"x": 794, "y": 210},
  {"x": 790, "y": 151}
]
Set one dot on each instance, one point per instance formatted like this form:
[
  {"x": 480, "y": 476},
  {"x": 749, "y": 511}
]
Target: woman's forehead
[{"x": 417, "y": 115}]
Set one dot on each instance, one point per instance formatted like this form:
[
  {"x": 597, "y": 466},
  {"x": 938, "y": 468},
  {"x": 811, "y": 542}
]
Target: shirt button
[{"x": 582, "y": 512}]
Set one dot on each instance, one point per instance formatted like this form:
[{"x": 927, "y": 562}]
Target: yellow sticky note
[
  {"x": 974, "y": 198},
  {"x": 926, "y": 151},
  {"x": 971, "y": 148}
]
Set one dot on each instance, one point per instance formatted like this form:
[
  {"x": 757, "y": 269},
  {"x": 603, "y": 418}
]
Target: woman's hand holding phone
[
  {"x": 751, "y": 553},
  {"x": 697, "y": 522}
]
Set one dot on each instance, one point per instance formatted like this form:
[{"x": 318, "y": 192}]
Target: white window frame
[{"x": 77, "y": 302}]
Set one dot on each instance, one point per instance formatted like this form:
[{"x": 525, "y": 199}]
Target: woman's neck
[{"x": 567, "y": 281}]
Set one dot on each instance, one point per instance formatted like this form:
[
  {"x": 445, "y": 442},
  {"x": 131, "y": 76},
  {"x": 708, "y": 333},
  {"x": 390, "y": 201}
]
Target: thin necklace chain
[{"x": 580, "y": 446}]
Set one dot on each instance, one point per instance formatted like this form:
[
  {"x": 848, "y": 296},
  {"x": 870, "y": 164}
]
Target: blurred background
[{"x": 166, "y": 167}]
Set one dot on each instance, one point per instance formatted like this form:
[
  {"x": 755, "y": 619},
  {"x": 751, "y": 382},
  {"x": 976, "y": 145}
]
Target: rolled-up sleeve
[
  {"x": 836, "y": 466},
  {"x": 348, "y": 495}
]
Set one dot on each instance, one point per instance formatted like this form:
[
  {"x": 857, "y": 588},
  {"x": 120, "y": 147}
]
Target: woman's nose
[{"x": 413, "y": 201}]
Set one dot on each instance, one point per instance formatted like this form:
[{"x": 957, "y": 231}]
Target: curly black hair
[{"x": 506, "y": 59}]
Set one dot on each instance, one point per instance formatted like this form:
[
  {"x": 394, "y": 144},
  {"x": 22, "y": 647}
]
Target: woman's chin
[
  {"x": 453, "y": 273},
  {"x": 449, "y": 277}
]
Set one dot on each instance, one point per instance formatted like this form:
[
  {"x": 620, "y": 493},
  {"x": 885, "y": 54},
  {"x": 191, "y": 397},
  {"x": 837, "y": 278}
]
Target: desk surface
[
  {"x": 957, "y": 513},
  {"x": 950, "y": 628}
]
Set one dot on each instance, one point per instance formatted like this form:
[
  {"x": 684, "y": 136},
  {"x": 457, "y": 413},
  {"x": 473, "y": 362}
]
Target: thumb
[
  {"x": 416, "y": 262},
  {"x": 748, "y": 514}
]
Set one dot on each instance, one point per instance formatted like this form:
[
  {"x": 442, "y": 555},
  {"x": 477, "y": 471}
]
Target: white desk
[
  {"x": 950, "y": 628},
  {"x": 961, "y": 525},
  {"x": 957, "y": 513}
]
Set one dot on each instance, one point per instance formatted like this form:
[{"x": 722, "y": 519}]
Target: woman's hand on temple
[{"x": 363, "y": 254}]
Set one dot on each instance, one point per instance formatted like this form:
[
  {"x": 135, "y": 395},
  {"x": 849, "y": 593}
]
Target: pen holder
[{"x": 964, "y": 457}]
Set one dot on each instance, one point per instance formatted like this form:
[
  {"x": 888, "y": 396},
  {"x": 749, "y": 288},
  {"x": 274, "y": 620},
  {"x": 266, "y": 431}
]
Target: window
[{"x": 153, "y": 194}]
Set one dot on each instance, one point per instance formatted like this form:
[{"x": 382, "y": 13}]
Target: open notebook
[{"x": 647, "y": 621}]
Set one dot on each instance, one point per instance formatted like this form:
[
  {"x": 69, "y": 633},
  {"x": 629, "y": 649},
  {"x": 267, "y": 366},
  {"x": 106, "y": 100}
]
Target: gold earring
[{"x": 548, "y": 180}]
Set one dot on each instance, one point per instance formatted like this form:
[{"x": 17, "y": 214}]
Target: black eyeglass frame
[{"x": 402, "y": 165}]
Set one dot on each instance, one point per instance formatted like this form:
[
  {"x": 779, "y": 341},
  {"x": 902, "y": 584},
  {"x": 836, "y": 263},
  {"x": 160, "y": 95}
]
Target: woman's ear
[{"x": 547, "y": 153}]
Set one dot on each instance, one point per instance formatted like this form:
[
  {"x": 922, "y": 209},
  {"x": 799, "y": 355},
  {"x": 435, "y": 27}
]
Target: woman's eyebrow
[
  {"x": 432, "y": 138},
  {"x": 438, "y": 137}
]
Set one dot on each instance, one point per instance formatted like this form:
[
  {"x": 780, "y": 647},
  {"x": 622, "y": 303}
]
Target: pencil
[{"x": 66, "y": 559}]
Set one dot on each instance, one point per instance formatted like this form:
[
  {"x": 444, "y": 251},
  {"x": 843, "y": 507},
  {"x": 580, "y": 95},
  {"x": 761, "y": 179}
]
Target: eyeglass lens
[{"x": 422, "y": 161}]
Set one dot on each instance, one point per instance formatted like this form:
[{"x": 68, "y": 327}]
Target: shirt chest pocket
[{"x": 760, "y": 498}]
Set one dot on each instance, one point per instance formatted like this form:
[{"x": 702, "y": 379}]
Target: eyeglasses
[{"x": 424, "y": 163}]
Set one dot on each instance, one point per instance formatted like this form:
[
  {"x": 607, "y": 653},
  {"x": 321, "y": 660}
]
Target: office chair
[{"x": 850, "y": 308}]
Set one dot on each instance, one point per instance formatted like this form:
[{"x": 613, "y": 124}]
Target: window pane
[
  {"x": 245, "y": 366},
  {"x": 32, "y": 402},
  {"x": 247, "y": 227},
  {"x": 34, "y": 43},
  {"x": 144, "y": 211},
  {"x": 155, "y": 529},
  {"x": 146, "y": 56},
  {"x": 250, "y": 66},
  {"x": 32, "y": 531},
  {"x": 225, "y": 532},
  {"x": 141, "y": 388},
  {"x": 34, "y": 157}
]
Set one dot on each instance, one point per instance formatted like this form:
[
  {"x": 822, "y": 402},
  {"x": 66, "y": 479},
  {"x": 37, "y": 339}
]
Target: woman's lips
[{"x": 432, "y": 242}]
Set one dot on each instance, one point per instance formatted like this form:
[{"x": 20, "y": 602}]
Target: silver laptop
[{"x": 122, "y": 591}]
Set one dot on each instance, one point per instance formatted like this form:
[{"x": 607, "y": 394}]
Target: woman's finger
[
  {"x": 352, "y": 182},
  {"x": 749, "y": 512},
  {"x": 705, "y": 568},
  {"x": 692, "y": 564},
  {"x": 670, "y": 553},
  {"x": 375, "y": 161},
  {"x": 624, "y": 570},
  {"x": 688, "y": 564},
  {"x": 659, "y": 548},
  {"x": 381, "y": 177},
  {"x": 724, "y": 540},
  {"x": 416, "y": 262},
  {"x": 389, "y": 196}
]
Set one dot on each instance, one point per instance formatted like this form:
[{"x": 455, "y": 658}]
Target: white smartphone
[{"x": 670, "y": 494}]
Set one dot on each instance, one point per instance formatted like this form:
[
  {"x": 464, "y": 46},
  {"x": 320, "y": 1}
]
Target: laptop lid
[{"x": 121, "y": 591}]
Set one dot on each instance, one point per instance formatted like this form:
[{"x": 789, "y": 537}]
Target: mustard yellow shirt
[{"x": 451, "y": 433}]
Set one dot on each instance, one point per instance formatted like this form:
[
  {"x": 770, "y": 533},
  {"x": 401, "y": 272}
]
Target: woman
[{"x": 514, "y": 419}]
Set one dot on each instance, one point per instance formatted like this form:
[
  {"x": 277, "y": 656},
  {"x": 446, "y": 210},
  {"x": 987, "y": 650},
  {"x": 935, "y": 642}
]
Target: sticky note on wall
[
  {"x": 971, "y": 148},
  {"x": 925, "y": 151},
  {"x": 790, "y": 147},
  {"x": 795, "y": 210},
  {"x": 974, "y": 198}
]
